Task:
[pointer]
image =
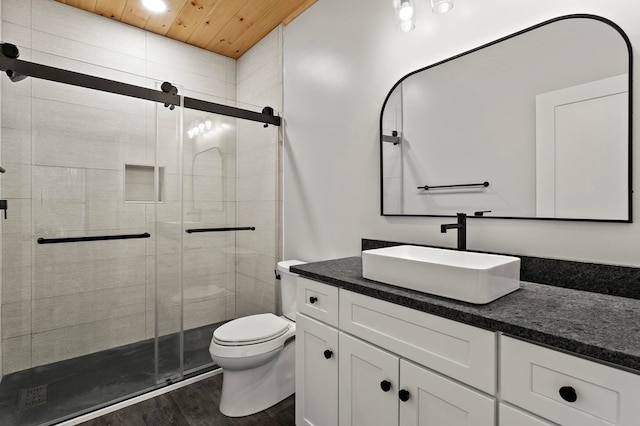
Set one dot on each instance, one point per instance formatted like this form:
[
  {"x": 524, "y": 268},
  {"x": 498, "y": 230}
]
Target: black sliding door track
[{"x": 18, "y": 69}]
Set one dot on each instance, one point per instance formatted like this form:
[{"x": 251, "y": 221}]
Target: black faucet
[{"x": 461, "y": 226}]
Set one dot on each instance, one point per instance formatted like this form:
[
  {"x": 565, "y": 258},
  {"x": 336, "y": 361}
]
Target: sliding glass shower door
[{"x": 133, "y": 230}]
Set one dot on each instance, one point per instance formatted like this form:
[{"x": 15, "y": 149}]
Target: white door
[
  {"x": 368, "y": 388},
  {"x": 582, "y": 147},
  {"x": 428, "y": 399},
  {"x": 316, "y": 373}
]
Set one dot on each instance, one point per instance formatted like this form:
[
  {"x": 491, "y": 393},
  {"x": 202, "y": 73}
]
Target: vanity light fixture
[
  {"x": 156, "y": 6},
  {"x": 441, "y": 6},
  {"x": 204, "y": 126},
  {"x": 405, "y": 12}
]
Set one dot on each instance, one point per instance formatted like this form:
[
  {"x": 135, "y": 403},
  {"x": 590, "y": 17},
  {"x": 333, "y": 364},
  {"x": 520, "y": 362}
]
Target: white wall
[{"x": 340, "y": 60}]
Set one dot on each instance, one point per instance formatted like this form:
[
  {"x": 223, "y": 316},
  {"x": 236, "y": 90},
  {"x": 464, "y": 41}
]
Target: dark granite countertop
[{"x": 603, "y": 327}]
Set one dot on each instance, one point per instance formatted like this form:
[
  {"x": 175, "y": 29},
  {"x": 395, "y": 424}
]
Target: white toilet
[{"x": 257, "y": 354}]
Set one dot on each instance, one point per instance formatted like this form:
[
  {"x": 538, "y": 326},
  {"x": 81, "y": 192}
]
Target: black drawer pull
[
  {"x": 568, "y": 393},
  {"x": 313, "y": 299},
  {"x": 403, "y": 395},
  {"x": 328, "y": 354},
  {"x": 385, "y": 385}
]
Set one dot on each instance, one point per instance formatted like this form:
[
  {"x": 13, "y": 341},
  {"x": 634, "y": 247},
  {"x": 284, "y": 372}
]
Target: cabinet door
[
  {"x": 368, "y": 388},
  {"x": 316, "y": 373},
  {"x": 429, "y": 399}
]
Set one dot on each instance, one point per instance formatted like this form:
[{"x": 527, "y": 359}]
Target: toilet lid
[{"x": 251, "y": 329}]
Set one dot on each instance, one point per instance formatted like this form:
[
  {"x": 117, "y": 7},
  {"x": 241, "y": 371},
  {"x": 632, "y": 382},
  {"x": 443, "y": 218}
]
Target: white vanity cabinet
[
  {"x": 316, "y": 354},
  {"x": 378, "y": 388},
  {"x": 566, "y": 389},
  {"x": 363, "y": 361},
  {"x": 381, "y": 375},
  {"x": 369, "y": 384},
  {"x": 316, "y": 373}
]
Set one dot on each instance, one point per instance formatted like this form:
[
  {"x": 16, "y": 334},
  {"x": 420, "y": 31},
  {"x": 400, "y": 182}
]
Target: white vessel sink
[{"x": 461, "y": 275}]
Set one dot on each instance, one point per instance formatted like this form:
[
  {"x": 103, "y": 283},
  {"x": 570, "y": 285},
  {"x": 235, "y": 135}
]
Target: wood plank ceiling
[{"x": 226, "y": 27}]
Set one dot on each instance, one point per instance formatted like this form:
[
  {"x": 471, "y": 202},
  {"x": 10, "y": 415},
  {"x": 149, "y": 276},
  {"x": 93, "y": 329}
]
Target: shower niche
[{"x": 140, "y": 184}]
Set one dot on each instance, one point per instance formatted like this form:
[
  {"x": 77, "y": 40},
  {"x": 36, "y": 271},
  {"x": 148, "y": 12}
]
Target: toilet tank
[{"x": 288, "y": 288}]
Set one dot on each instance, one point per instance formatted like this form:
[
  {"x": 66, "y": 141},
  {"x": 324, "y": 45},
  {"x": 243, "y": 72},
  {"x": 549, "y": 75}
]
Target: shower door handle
[{"x": 244, "y": 228}]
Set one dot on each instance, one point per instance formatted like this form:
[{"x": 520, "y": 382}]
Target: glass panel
[
  {"x": 77, "y": 316},
  {"x": 168, "y": 244},
  {"x": 209, "y": 203}
]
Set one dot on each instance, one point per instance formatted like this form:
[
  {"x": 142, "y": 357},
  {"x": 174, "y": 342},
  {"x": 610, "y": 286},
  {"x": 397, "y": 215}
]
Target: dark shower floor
[{"x": 92, "y": 381}]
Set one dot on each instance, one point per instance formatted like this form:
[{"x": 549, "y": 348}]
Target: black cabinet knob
[
  {"x": 328, "y": 354},
  {"x": 403, "y": 395},
  {"x": 568, "y": 393},
  {"x": 313, "y": 299},
  {"x": 385, "y": 385}
]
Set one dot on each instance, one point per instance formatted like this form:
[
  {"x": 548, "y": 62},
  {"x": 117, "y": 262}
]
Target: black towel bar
[
  {"x": 463, "y": 185},
  {"x": 92, "y": 238},
  {"x": 245, "y": 228}
]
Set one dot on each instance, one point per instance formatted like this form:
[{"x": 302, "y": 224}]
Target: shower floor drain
[{"x": 32, "y": 397}]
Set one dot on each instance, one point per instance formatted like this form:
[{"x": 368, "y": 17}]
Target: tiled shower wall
[
  {"x": 259, "y": 82},
  {"x": 66, "y": 300}
]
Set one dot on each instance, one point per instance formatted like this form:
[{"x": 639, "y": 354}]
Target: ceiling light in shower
[{"x": 157, "y": 6}]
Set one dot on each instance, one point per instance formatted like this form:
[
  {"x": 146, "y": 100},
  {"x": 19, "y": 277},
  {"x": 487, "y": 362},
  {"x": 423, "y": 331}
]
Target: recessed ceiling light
[{"x": 157, "y": 6}]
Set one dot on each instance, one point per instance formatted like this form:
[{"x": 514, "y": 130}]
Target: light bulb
[
  {"x": 190, "y": 133},
  {"x": 196, "y": 130},
  {"x": 201, "y": 127},
  {"x": 441, "y": 6},
  {"x": 157, "y": 6},
  {"x": 406, "y": 11},
  {"x": 207, "y": 124},
  {"x": 406, "y": 26}
]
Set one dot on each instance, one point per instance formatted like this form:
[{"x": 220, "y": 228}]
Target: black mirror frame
[{"x": 630, "y": 134}]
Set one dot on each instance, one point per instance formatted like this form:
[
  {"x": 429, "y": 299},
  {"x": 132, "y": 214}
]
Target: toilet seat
[
  {"x": 270, "y": 335},
  {"x": 250, "y": 330}
]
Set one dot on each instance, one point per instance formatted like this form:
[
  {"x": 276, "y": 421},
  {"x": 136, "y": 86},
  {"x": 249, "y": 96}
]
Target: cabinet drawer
[
  {"x": 318, "y": 300},
  {"x": 567, "y": 389},
  {"x": 510, "y": 416},
  {"x": 457, "y": 350}
]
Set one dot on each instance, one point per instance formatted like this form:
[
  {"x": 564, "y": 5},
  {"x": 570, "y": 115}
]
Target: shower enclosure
[{"x": 129, "y": 238}]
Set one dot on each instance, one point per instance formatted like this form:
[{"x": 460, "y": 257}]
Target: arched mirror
[{"x": 535, "y": 125}]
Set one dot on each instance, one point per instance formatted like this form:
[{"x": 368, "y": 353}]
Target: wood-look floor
[{"x": 195, "y": 404}]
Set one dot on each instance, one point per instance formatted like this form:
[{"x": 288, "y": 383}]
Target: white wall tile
[
  {"x": 16, "y": 112},
  {"x": 77, "y": 54},
  {"x": 17, "y": 12},
  {"x": 203, "y": 312},
  {"x": 195, "y": 82},
  {"x": 79, "y": 308},
  {"x": 81, "y": 275},
  {"x": 165, "y": 51},
  {"x": 16, "y": 146},
  {"x": 16, "y": 354},
  {"x": 78, "y": 340},
  {"x": 75, "y": 24},
  {"x": 262, "y": 53},
  {"x": 18, "y": 35},
  {"x": 257, "y": 187},
  {"x": 16, "y": 319}
]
